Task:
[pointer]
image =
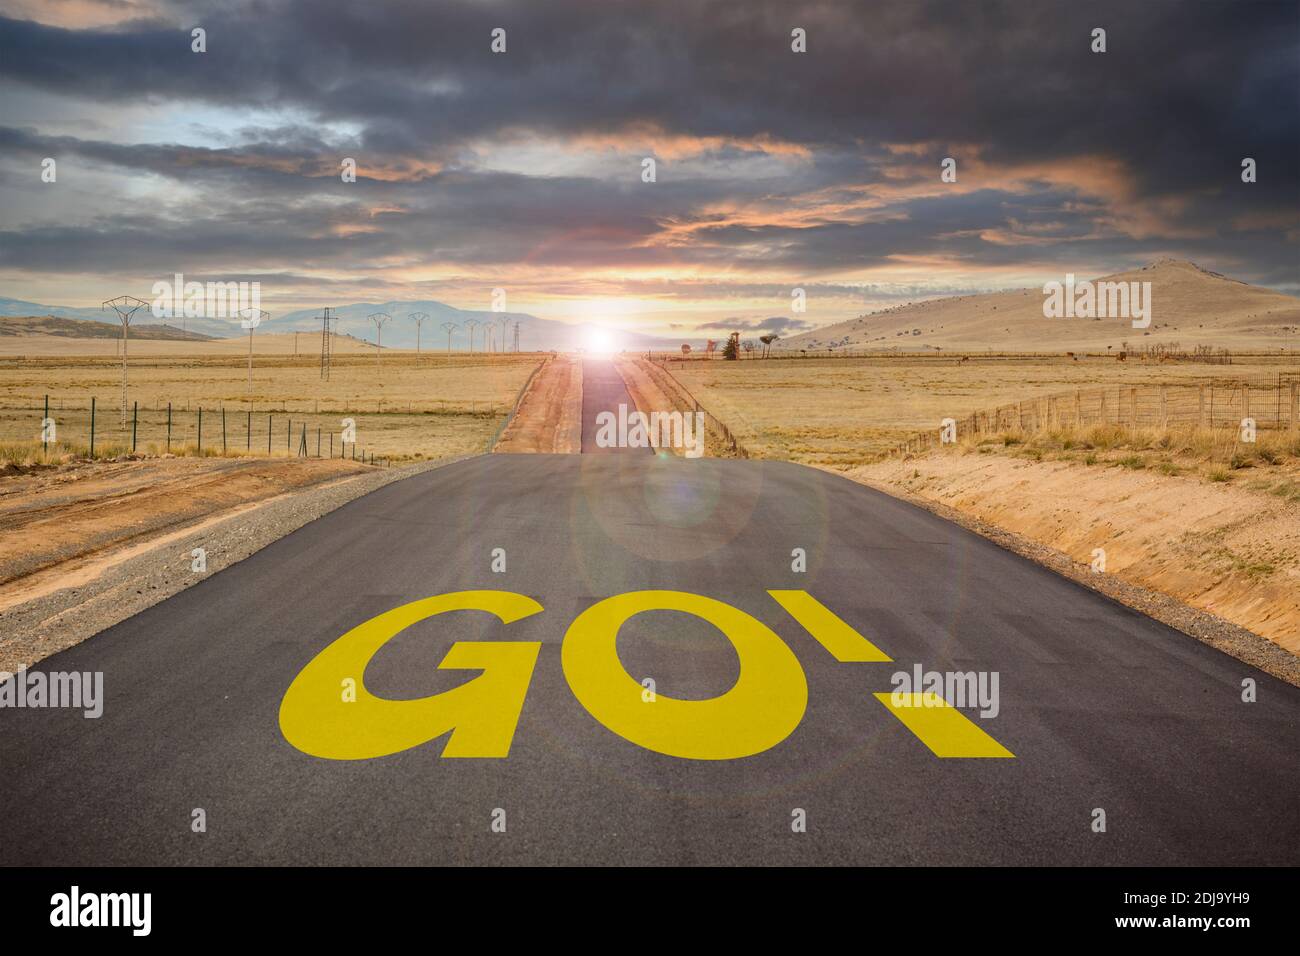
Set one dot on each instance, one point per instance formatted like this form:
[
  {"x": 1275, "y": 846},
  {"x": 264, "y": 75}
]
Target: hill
[
  {"x": 50, "y": 325},
  {"x": 534, "y": 333},
  {"x": 1189, "y": 305}
]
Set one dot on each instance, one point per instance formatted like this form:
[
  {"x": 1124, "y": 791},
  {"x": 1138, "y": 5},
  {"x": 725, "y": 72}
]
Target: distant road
[
  {"x": 1101, "y": 706},
  {"x": 603, "y": 389}
]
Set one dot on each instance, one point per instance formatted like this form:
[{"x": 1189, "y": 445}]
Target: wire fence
[
  {"x": 680, "y": 394},
  {"x": 1268, "y": 404},
  {"x": 97, "y": 430}
]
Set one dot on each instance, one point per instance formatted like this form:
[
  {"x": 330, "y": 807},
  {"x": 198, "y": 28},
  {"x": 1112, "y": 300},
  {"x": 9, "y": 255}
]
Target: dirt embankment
[
  {"x": 548, "y": 418},
  {"x": 50, "y": 517},
  {"x": 92, "y": 544},
  {"x": 655, "y": 390},
  {"x": 1224, "y": 549}
]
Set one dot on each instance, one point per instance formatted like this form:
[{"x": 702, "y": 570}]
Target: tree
[
  {"x": 767, "y": 341},
  {"x": 710, "y": 347},
  {"x": 748, "y": 345},
  {"x": 731, "y": 351},
  {"x": 686, "y": 349}
]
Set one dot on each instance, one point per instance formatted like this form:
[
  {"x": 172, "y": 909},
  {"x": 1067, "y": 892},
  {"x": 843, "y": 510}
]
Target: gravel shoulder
[{"x": 123, "y": 580}]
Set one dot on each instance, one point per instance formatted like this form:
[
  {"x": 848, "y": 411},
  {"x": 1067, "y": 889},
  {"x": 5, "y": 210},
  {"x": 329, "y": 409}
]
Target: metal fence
[
  {"x": 96, "y": 429},
  {"x": 1270, "y": 404}
]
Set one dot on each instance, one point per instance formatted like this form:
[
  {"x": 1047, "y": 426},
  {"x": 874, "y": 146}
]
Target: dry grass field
[
  {"x": 404, "y": 406},
  {"x": 841, "y": 412}
]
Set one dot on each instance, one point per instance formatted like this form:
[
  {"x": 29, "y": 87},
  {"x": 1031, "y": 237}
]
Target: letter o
[{"x": 764, "y": 706}]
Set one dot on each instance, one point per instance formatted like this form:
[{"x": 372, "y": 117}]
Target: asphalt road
[
  {"x": 603, "y": 389},
  {"x": 1102, "y": 707}
]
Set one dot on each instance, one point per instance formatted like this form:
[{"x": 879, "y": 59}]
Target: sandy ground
[
  {"x": 1224, "y": 549},
  {"x": 549, "y": 416},
  {"x": 59, "y": 518},
  {"x": 646, "y": 391}
]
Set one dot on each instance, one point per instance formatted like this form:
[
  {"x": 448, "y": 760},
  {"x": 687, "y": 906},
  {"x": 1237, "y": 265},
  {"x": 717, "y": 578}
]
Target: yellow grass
[
  {"x": 1270, "y": 463},
  {"x": 842, "y": 412},
  {"x": 433, "y": 405}
]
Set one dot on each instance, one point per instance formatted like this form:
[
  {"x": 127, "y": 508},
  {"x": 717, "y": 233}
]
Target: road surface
[
  {"x": 603, "y": 389},
  {"x": 1102, "y": 707}
]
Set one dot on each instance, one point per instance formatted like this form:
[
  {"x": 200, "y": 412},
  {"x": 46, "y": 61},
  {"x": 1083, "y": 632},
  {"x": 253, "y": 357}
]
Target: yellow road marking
[
  {"x": 844, "y": 643},
  {"x": 941, "y": 727}
]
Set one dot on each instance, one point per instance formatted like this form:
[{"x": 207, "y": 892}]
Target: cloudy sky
[{"x": 524, "y": 169}]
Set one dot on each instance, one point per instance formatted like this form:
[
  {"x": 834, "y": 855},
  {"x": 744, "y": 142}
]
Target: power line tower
[
  {"x": 252, "y": 319},
  {"x": 379, "y": 318},
  {"x": 326, "y": 318},
  {"x": 418, "y": 318},
  {"x": 471, "y": 324},
  {"x": 505, "y": 323},
  {"x": 449, "y": 327},
  {"x": 125, "y": 306},
  {"x": 516, "y": 335}
]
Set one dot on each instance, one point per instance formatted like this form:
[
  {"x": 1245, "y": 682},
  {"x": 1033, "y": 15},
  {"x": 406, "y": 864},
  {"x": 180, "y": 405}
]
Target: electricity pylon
[
  {"x": 418, "y": 318},
  {"x": 252, "y": 319},
  {"x": 505, "y": 321},
  {"x": 125, "y": 306},
  {"x": 471, "y": 324},
  {"x": 449, "y": 327},
  {"x": 379, "y": 318},
  {"x": 326, "y": 318}
]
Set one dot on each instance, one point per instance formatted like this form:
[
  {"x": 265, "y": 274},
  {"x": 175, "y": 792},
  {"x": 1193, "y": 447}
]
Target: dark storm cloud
[{"x": 1185, "y": 91}]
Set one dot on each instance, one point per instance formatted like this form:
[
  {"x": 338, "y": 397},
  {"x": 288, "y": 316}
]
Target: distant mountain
[
  {"x": 399, "y": 332},
  {"x": 1189, "y": 305},
  {"x": 204, "y": 328},
  {"x": 534, "y": 334},
  {"x": 85, "y": 329}
]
